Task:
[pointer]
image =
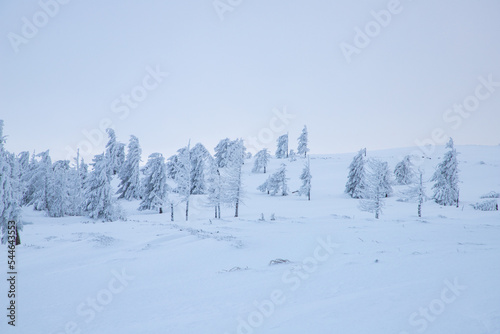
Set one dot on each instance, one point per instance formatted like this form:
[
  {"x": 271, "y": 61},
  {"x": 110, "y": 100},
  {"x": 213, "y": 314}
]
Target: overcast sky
[{"x": 249, "y": 69}]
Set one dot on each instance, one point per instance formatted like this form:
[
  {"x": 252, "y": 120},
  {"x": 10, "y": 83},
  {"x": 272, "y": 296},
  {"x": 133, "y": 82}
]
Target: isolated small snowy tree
[
  {"x": 356, "y": 183},
  {"x": 276, "y": 183},
  {"x": 282, "y": 147},
  {"x": 376, "y": 188},
  {"x": 261, "y": 161},
  {"x": 403, "y": 171},
  {"x": 292, "y": 156},
  {"x": 114, "y": 152},
  {"x": 99, "y": 202},
  {"x": 302, "y": 148},
  {"x": 130, "y": 185},
  {"x": 420, "y": 190},
  {"x": 305, "y": 188},
  {"x": 446, "y": 190},
  {"x": 155, "y": 188}
]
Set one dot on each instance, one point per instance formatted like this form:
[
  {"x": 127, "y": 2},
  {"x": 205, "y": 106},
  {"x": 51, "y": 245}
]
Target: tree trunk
[
  {"x": 187, "y": 210},
  {"x": 236, "y": 210},
  {"x": 161, "y": 210},
  {"x": 218, "y": 209},
  {"x": 18, "y": 238},
  {"x": 171, "y": 212},
  {"x": 419, "y": 210}
]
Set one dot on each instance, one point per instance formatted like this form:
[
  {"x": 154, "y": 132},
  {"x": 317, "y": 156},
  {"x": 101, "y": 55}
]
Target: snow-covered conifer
[
  {"x": 232, "y": 179},
  {"x": 292, "y": 156},
  {"x": 261, "y": 161},
  {"x": 356, "y": 183},
  {"x": 221, "y": 152},
  {"x": 305, "y": 188},
  {"x": 302, "y": 148},
  {"x": 276, "y": 183},
  {"x": 114, "y": 152},
  {"x": 58, "y": 189},
  {"x": 282, "y": 147},
  {"x": 39, "y": 181},
  {"x": 155, "y": 188},
  {"x": 446, "y": 178},
  {"x": 99, "y": 202},
  {"x": 214, "y": 190},
  {"x": 10, "y": 191},
  {"x": 130, "y": 185},
  {"x": 403, "y": 171},
  {"x": 179, "y": 169},
  {"x": 376, "y": 187},
  {"x": 199, "y": 156}
]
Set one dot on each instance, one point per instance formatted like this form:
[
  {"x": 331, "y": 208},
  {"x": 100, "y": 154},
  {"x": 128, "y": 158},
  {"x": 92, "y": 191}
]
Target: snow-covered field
[{"x": 345, "y": 271}]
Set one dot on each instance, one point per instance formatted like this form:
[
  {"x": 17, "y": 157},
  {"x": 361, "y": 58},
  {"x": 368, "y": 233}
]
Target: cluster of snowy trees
[
  {"x": 371, "y": 181},
  {"x": 277, "y": 182}
]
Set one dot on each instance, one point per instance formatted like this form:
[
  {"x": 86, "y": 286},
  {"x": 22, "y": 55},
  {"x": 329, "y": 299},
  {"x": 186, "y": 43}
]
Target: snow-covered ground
[{"x": 345, "y": 271}]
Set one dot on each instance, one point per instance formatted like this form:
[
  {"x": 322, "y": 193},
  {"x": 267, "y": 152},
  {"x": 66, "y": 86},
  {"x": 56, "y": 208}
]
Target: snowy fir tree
[
  {"x": 376, "y": 187},
  {"x": 446, "y": 190},
  {"x": 420, "y": 191},
  {"x": 27, "y": 180},
  {"x": 221, "y": 152},
  {"x": 10, "y": 194},
  {"x": 199, "y": 156},
  {"x": 261, "y": 161},
  {"x": 58, "y": 189},
  {"x": 282, "y": 147},
  {"x": 114, "y": 152},
  {"x": 39, "y": 181},
  {"x": 179, "y": 169},
  {"x": 276, "y": 183},
  {"x": 232, "y": 174},
  {"x": 302, "y": 147},
  {"x": 356, "y": 184},
  {"x": 292, "y": 156},
  {"x": 155, "y": 188},
  {"x": 214, "y": 181},
  {"x": 130, "y": 184},
  {"x": 99, "y": 203},
  {"x": 403, "y": 171},
  {"x": 305, "y": 188}
]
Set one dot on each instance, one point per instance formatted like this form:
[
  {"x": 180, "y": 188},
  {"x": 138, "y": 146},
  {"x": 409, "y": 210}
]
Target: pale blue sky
[{"x": 226, "y": 76}]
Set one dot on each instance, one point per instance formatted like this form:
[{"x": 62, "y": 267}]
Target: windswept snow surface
[{"x": 347, "y": 272}]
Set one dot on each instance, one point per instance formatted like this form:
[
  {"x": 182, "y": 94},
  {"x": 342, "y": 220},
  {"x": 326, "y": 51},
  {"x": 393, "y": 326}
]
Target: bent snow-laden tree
[
  {"x": 214, "y": 181},
  {"x": 200, "y": 157},
  {"x": 376, "y": 188},
  {"x": 10, "y": 190},
  {"x": 130, "y": 185},
  {"x": 39, "y": 181},
  {"x": 356, "y": 183},
  {"x": 302, "y": 148},
  {"x": 282, "y": 147},
  {"x": 403, "y": 171},
  {"x": 99, "y": 202},
  {"x": 155, "y": 188},
  {"x": 261, "y": 161},
  {"x": 58, "y": 190},
  {"x": 221, "y": 152},
  {"x": 115, "y": 152},
  {"x": 305, "y": 188},
  {"x": 276, "y": 183},
  {"x": 446, "y": 190}
]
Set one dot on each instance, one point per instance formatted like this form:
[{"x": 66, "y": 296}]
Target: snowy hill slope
[{"x": 345, "y": 271}]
